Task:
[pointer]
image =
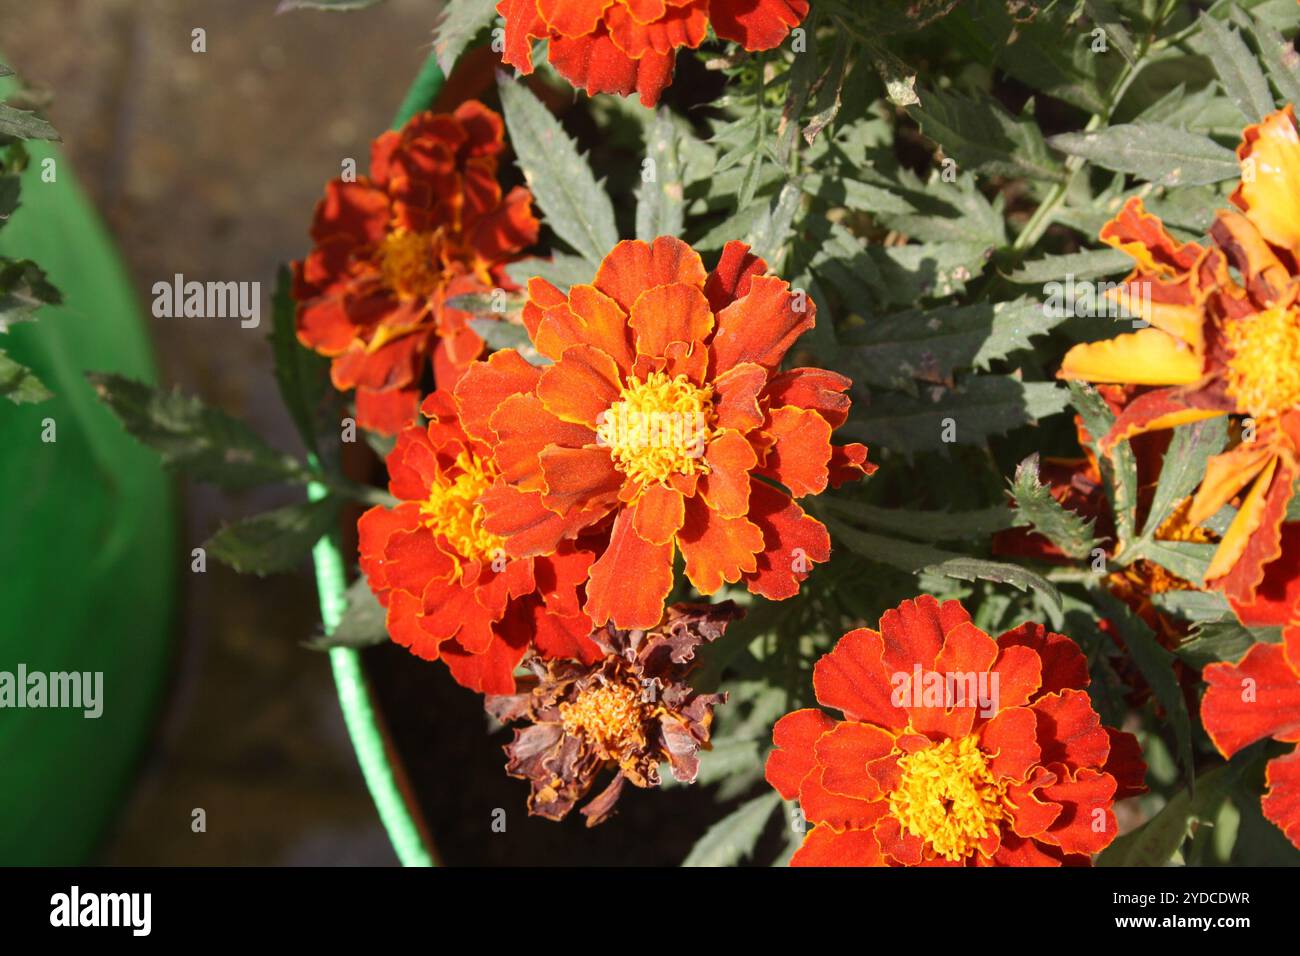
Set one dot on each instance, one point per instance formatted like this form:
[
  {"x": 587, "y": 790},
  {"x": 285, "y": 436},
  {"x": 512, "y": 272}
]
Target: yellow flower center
[
  {"x": 410, "y": 263},
  {"x": 452, "y": 510},
  {"x": 1264, "y": 370},
  {"x": 608, "y": 715},
  {"x": 948, "y": 797},
  {"x": 658, "y": 427}
]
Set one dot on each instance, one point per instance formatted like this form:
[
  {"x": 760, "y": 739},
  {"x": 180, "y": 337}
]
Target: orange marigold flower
[
  {"x": 429, "y": 223},
  {"x": 621, "y": 46},
  {"x": 1219, "y": 346},
  {"x": 628, "y": 712},
  {"x": 450, "y": 590},
  {"x": 955, "y": 749},
  {"x": 664, "y": 411},
  {"x": 1259, "y": 696}
]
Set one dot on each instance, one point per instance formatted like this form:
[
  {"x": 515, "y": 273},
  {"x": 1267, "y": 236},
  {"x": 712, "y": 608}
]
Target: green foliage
[
  {"x": 461, "y": 21},
  {"x": 24, "y": 287},
  {"x": 303, "y": 376},
  {"x": 1157, "y": 841},
  {"x": 274, "y": 541},
  {"x": 362, "y": 624},
  {"x": 573, "y": 203},
  {"x": 1036, "y": 508},
  {"x": 187, "y": 434}
]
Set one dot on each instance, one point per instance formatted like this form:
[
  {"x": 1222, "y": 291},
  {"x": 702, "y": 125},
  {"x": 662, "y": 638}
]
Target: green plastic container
[{"x": 88, "y": 561}]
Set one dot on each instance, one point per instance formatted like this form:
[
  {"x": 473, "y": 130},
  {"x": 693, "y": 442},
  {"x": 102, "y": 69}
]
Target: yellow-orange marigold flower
[
  {"x": 1220, "y": 344},
  {"x": 665, "y": 418},
  {"x": 955, "y": 749}
]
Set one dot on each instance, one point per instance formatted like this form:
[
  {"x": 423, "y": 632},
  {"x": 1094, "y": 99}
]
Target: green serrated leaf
[
  {"x": 1157, "y": 668},
  {"x": 576, "y": 208},
  {"x": 23, "y": 289},
  {"x": 981, "y": 406},
  {"x": 1184, "y": 467},
  {"x": 828, "y": 90},
  {"x": 187, "y": 434},
  {"x": 977, "y": 569},
  {"x": 928, "y": 345},
  {"x": 1156, "y": 841},
  {"x": 770, "y": 234},
  {"x": 461, "y": 22},
  {"x": 1118, "y": 468},
  {"x": 24, "y": 124},
  {"x": 274, "y": 541},
  {"x": 660, "y": 201},
  {"x": 1281, "y": 61},
  {"x": 1237, "y": 67},
  {"x": 1201, "y": 606},
  {"x": 904, "y": 555},
  {"x": 1226, "y": 639},
  {"x": 1157, "y": 154},
  {"x": 303, "y": 376},
  {"x": 945, "y": 210},
  {"x": 1104, "y": 14},
  {"x": 1094, "y": 264},
  {"x": 363, "y": 622},
  {"x": 19, "y": 384},
  {"x": 854, "y": 194},
  {"x": 1189, "y": 560},
  {"x": 733, "y": 838},
  {"x": 560, "y": 270},
  {"x": 922, "y": 525},
  {"x": 1036, "y": 508},
  {"x": 983, "y": 137}
]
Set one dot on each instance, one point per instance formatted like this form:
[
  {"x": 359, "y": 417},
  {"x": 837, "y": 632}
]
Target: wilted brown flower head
[{"x": 628, "y": 712}]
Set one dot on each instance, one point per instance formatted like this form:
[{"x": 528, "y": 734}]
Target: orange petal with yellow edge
[
  {"x": 762, "y": 326},
  {"x": 578, "y": 478},
  {"x": 1152, "y": 411},
  {"x": 1269, "y": 192},
  {"x": 1145, "y": 357},
  {"x": 1257, "y": 697},
  {"x": 793, "y": 738},
  {"x": 658, "y": 514},
  {"x": 633, "y": 266},
  {"x": 800, "y": 450},
  {"x": 581, "y": 386},
  {"x": 717, "y": 549},
  {"x": 726, "y": 486},
  {"x": 1144, "y": 237},
  {"x": 1281, "y": 804},
  {"x": 1263, "y": 544},
  {"x": 669, "y": 313},
  {"x": 588, "y": 317},
  {"x": 824, "y": 846},
  {"x": 629, "y": 583}
]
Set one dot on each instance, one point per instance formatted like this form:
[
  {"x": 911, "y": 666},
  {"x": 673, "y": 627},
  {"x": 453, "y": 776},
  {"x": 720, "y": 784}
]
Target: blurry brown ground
[{"x": 209, "y": 165}]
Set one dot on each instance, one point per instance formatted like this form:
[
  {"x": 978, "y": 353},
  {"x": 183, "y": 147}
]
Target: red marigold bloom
[
  {"x": 618, "y": 46},
  {"x": 429, "y": 223},
  {"x": 955, "y": 749},
  {"x": 664, "y": 411},
  {"x": 450, "y": 589},
  {"x": 1219, "y": 346},
  {"x": 628, "y": 712},
  {"x": 1259, "y": 696}
]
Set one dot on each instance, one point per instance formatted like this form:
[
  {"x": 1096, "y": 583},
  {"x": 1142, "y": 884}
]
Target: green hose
[{"x": 378, "y": 764}]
